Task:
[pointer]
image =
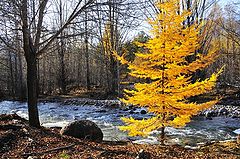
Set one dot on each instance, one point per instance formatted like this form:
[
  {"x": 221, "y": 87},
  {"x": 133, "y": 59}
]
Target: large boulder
[{"x": 83, "y": 129}]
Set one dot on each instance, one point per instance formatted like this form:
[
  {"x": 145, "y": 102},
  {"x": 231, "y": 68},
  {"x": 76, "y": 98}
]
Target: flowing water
[{"x": 108, "y": 119}]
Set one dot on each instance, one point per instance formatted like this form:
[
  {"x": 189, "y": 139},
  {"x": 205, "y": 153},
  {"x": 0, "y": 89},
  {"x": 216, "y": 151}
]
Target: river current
[{"x": 56, "y": 114}]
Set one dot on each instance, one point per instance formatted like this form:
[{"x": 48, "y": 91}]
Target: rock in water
[
  {"x": 83, "y": 129},
  {"x": 222, "y": 111},
  {"x": 143, "y": 112},
  {"x": 210, "y": 114},
  {"x": 131, "y": 112}
]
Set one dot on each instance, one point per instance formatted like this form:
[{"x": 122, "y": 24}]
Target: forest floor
[
  {"x": 228, "y": 95},
  {"x": 18, "y": 140}
]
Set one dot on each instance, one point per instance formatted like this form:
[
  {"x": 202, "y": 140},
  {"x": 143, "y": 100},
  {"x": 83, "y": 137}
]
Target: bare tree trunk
[
  {"x": 21, "y": 85},
  {"x": 189, "y": 17},
  {"x": 32, "y": 89},
  {"x": 30, "y": 55},
  {"x": 61, "y": 54},
  {"x": 38, "y": 77},
  {"x": 32, "y": 26},
  {"x": 113, "y": 62},
  {"x": 87, "y": 52},
  {"x": 11, "y": 74},
  {"x": 162, "y": 135},
  {"x": 62, "y": 74},
  {"x": 16, "y": 86},
  {"x": 44, "y": 76}
]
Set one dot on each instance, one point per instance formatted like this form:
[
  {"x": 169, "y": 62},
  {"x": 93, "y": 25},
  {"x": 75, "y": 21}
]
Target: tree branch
[
  {"x": 40, "y": 21},
  {"x": 74, "y": 14}
]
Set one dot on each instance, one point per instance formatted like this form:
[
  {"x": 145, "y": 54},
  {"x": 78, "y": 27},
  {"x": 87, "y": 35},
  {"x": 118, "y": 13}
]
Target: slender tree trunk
[
  {"x": 113, "y": 62},
  {"x": 11, "y": 74},
  {"x": 87, "y": 64},
  {"x": 189, "y": 17},
  {"x": 62, "y": 50},
  {"x": 87, "y": 52},
  {"x": 162, "y": 135},
  {"x": 202, "y": 13},
  {"x": 163, "y": 92},
  {"x": 114, "y": 75},
  {"x": 18, "y": 67},
  {"x": 22, "y": 89},
  {"x": 16, "y": 86},
  {"x": 38, "y": 77},
  {"x": 44, "y": 76},
  {"x": 62, "y": 73}
]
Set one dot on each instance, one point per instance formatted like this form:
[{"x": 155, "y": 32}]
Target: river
[{"x": 56, "y": 114}]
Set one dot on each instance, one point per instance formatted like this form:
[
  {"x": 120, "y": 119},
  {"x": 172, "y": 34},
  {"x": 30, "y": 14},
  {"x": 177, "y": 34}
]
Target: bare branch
[{"x": 74, "y": 14}]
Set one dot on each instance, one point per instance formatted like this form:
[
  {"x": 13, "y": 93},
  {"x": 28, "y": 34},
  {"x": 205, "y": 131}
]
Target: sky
[
  {"x": 224, "y": 2},
  {"x": 145, "y": 27}
]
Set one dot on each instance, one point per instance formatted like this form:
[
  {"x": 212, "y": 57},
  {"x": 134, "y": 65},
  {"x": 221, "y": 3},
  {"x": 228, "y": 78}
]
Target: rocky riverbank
[
  {"x": 227, "y": 107},
  {"x": 18, "y": 140},
  {"x": 222, "y": 110}
]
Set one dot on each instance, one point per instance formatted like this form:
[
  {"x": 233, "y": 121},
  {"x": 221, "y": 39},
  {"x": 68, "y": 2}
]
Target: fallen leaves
[{"x": 48, "y": 143}]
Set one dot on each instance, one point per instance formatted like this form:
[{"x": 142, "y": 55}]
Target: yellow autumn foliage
[{"x": 165, "y": 63}]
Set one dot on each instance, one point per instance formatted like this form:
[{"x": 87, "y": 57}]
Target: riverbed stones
[
  {"x": 83, "y": 129},
  {"x": 131, "y": 112},
  {"x": 114, "y": 105},
  {"x": 91, "y": 102},
  {"x": 210, "y": 113},
  {"x": 222, "y": 111},
  {"x": 235, "y": 114}
]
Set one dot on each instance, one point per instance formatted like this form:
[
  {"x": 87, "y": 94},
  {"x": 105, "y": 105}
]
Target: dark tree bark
[
  {"x": 22, "y": 92},
  {"x": 87, "y": 52},
  {"x": 113, "y": 61},
  {"x": 32, "y": 88},
  {"x": 30, "y": 55},
  {"x": 63, "y": 83},
  {"x": 11, "y": 75},
  {"x": 61, "y": 52}
]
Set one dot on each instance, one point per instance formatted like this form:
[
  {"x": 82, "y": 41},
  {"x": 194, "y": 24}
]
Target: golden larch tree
[{"x": 165, "y": 63}]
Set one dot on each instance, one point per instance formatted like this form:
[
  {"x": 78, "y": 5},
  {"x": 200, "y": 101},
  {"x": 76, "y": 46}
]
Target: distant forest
[{"x": 70, "y": 43}]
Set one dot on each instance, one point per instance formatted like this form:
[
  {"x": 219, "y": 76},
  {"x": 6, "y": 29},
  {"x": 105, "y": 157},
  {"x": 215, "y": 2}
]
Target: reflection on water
[{"x": 57, "y": 115}]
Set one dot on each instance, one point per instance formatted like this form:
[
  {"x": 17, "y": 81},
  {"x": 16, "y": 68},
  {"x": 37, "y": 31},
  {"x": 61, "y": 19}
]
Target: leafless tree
[{"x": 31, "y": 25}]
